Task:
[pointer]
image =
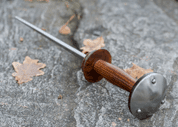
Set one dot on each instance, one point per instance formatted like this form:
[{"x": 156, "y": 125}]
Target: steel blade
[{"x": 63, "y": 44}]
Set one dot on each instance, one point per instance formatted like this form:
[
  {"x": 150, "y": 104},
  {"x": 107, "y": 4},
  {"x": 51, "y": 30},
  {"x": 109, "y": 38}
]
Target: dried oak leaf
[
  {"x": 29, "y": 68},
  {"x": 136, "y": 71},
  {"x": 91, "y": 45}
]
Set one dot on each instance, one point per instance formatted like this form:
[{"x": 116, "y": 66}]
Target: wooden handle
[{"x": 114, "y": 75}]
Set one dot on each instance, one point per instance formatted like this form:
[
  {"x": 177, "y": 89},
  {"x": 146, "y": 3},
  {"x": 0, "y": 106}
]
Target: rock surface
[
  {"x": 134, "y": 31},
  {"x": 36, "y": 103},
  {"x": 143, "y": 32}
]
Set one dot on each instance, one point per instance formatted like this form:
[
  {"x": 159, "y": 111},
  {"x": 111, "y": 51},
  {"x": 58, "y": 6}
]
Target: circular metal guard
[
  {"x": 147, "y": 95},
  {"x": 88, "y": 64}
]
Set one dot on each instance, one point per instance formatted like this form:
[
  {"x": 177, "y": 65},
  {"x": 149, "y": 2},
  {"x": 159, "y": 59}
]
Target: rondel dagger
[{"x": 146, "y": 94}]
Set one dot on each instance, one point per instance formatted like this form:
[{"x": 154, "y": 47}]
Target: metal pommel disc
[
  {"x": 147, "y": 95},
  {"x": 88, "y": 64}
]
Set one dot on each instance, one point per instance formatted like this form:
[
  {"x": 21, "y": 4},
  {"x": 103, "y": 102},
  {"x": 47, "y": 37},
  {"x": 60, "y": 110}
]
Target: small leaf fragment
[
  {"x": 60, "y": 97},
  {"x": 136, "y": 72},
  {"x": 65, "y": 29},
  {"x": 13, "y": 48},
  {"x": 119, "y": 118},
  {"x": 43, "y": 29},
  {"x": 91, "y": 45},
  {"x": 113, "y": 124},
  {"x": 29, "y": 68}
]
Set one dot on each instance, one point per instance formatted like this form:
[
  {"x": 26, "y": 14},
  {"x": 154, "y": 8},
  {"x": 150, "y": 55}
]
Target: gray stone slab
[
  {"x": 143, "y": 32},
  {"x": 169, "y": 8},
  {"x": 137, "y": 32},
  {"x": 36, "y": 103}
]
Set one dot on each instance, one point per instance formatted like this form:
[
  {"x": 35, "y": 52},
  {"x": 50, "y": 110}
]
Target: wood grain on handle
[{"x": 114, "y": 75}]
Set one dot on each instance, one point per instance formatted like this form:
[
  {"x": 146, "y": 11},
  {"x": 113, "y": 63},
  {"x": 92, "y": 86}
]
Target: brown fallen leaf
[
  {"x": 29, "y": 68},
  {"x": 91, "y": 45},
  {"x": 65, "y": 29},
  {"x": 136, "y": 71}
]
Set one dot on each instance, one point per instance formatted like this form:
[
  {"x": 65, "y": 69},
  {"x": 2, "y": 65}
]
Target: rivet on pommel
[
  {"x": 139, "y": 110},
  {"x": 153, "y": 80},
  {"x": 163, "y": 101}
]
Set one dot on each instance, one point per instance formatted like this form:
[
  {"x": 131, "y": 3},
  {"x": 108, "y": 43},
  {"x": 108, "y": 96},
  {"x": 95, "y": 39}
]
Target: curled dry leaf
[
  {"x": 136, "y": 71},
  {"x": 65, "y": 29},
  {"x": 91, "y": 45},
  {"x": 29, "y": 68}
]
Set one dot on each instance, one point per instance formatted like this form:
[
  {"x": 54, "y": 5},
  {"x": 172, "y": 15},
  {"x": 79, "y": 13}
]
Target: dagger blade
[{"x": 63, "y": 44}]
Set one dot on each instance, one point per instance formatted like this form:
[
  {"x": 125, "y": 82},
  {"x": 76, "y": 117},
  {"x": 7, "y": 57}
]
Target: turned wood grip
[{"x": 114, "y": 75}]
